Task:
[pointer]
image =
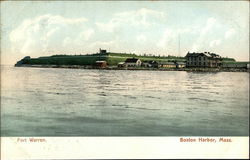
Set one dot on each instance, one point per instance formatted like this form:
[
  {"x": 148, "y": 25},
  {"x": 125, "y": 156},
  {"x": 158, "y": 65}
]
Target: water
[{"x": 78, "y": 102}]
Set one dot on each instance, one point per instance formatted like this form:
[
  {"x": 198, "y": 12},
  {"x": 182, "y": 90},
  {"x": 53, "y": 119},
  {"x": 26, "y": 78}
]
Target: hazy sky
[{"x": 54, "y": 27}]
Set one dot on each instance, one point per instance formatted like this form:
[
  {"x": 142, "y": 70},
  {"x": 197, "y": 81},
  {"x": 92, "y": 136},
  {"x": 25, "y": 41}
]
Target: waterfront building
[
  {"x": 167, "y": 65},
  {"x": 101, "y": 64},
  {"x": 205, "y": 59},
  {"x": 150, "y": 64},
  {"x": 133, "y": 62},
  {"x": 180, "y": 64},
  {"x": 236, "y": 65},
  {"x": 121, "y": 65}
]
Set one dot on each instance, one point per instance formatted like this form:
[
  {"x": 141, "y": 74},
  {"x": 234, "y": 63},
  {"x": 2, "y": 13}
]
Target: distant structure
[
  {"x": 205, "y": 59},
  {"x": 236, "y": 65},
  {"x": 179, "y": 46},
  {"x": 101, "y": 64},
  {"x": 133, "y": 62},
  {"x": 149, "y": 63},
  {"x": 167, "y": 65},
  {"x": 102, "y": 51},
  {"x": 121, "y": 65},
  {"x": 180, "y": 64}
]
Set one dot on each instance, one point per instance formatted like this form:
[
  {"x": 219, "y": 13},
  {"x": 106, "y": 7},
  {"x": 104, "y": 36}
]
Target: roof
[
  {"x": 131, "y": 60},
  {"x": 195, "y": 54},
  {"x": 166, "y": 63},
  {"x": 150, "y": 61},
  {"x": 181, "y": 63},
  {"x": 207, "y": 54},
  {"x": 100, "y": 61}
]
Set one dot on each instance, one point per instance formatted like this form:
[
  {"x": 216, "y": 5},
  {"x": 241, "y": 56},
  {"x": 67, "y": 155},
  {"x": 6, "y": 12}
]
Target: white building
[{"x": 133, "y": 62}]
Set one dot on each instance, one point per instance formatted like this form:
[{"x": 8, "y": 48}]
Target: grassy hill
[
  {"x": 66, "y": 59},
  {"x": 114, "y": 58},
  {"x": 226, "y": 59},
  {"x": 111, "y": 58}
]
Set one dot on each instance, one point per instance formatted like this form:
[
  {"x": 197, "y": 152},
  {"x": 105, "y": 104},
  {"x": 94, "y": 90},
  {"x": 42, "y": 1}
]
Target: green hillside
[
  {"x": 234, "y": 62},
  {"x": 225, "y": 59},
  {"x": 66, "y": 60},
  {"x": 114, "y": 58},
  {"x": 111, "y": 58}
]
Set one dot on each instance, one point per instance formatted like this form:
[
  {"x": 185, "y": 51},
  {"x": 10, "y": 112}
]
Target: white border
[{"x": 122, "y": 147}]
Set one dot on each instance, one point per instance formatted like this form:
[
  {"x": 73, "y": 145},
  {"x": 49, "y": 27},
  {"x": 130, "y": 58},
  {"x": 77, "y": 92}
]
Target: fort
[{"x": 205, "y": 61}]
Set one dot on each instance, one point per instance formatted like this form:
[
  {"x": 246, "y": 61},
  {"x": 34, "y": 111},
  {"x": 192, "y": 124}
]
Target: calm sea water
[{"x": 77, "y": 102}]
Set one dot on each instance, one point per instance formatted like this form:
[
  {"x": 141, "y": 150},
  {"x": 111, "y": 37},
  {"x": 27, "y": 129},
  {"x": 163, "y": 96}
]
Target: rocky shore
[{"x": 141, "y": 68}]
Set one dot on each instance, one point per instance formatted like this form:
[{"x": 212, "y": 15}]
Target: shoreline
[{"x": 146, "y": 69}]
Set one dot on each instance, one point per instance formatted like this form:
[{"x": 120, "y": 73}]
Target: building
[
  {"x": 205, "y": 59},
  {"x": 101, "y": 64},
  {"x": 133, "y": 62},
  {"x": 235, "y": 65},
  {"x": 121, "y": 65},
  {"x": 180, "y": 64},
  {"x": 167, "y": 65},
  {"x": 102, "y": 51},
  {"x": 150, "y": 64}
]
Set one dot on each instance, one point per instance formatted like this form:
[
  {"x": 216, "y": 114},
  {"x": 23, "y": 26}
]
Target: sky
[{"x": 30, "y": 28}]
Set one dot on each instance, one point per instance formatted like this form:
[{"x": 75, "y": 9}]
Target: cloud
[
  {"x": 204, "y": 36},
  {"x": 143, "y": 18},
  {"x": 172, "y": 35},
  {"x": 229, "y": 33},
  {"x": 184, "y": 30},
  {"x": 87, "y": 34},
  {"x": 67, "y": 41},
  {"x": 141, "y": 38},
  {"x": 108, "y": 27},
  {"x": 209, "y": 25},
  {"x": 102, "y": 44},
  {"x": 215, "y": 43},
  {"x": 46, "y": 32},
  {"x": 195, "y": 48},
  {"x": 166, "y": 38},
  {"x": 195, "y": 38}
]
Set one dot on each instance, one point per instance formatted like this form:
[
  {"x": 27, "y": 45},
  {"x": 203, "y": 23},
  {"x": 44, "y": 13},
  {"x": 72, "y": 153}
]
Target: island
[{"x": 204, "y": 61}]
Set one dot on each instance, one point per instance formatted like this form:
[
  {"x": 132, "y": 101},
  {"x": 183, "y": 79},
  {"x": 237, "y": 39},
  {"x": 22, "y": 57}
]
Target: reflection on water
[{"x": 71, "y": 102}]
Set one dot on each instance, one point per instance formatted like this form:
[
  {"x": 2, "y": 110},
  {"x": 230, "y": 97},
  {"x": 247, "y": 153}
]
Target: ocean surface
[{"x": 81, "y": 102}]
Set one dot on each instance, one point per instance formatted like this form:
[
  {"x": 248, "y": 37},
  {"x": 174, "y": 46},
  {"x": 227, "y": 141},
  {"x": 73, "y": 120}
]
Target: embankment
[{"x": 140, "y": 68}]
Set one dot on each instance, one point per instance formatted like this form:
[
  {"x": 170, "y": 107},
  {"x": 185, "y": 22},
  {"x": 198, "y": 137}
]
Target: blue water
[{"x": 81, "y": 102}]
